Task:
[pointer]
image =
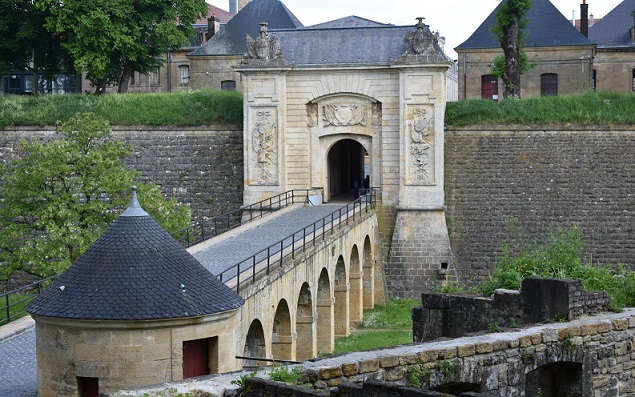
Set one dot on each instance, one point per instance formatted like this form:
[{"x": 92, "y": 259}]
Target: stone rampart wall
[
  {"x": 201, "y": 167},
  {"x": 543, "y": 178}
]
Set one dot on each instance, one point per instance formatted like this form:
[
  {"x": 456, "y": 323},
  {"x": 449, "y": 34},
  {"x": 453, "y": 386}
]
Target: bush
[{"x": 558, "y": 257}]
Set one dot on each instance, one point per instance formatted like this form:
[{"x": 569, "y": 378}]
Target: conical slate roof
[
  {"x": 230, "y": 40},
  {"x": 614, "y": 29},
  {"x": 135, "y": 271},
  {"x": 546, "y": 27}
]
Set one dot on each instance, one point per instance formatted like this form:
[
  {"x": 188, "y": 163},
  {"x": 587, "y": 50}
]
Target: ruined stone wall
[
  {"x": 201, "y": 167},
  {"x": 543, "y": 178},
  {"x": 539, "y": 300}
]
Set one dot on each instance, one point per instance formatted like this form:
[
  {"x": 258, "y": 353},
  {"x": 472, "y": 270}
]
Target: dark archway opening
[
  {"x": 346, "y": 166},
  {"x": 563, "y": 379}
]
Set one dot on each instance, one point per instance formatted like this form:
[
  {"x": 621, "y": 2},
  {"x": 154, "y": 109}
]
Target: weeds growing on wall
[{"x": 558, "y": 257}]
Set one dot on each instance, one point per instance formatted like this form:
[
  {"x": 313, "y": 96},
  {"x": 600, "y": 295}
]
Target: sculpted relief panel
[
  {"x": 264, "y": 146},
  {"x": 420, "y": 164},
  {"x": 344, "y": 114}
]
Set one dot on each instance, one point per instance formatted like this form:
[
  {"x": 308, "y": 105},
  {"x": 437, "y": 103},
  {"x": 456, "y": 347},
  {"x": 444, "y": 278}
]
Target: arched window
[
  {"x": 548, "y": 84},
  {"x": 184, "y": 74},
  {"x": 228, "y": 85}
]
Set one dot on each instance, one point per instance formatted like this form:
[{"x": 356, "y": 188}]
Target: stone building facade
[
  {"x": 318, "y": 115},
  {"x": 562, "y": 57}
]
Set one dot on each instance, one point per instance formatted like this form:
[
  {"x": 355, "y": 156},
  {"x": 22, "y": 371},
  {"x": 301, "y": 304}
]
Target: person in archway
[
  {"x": 366, "y": 185},
  {"x": 356, "y": 188}
]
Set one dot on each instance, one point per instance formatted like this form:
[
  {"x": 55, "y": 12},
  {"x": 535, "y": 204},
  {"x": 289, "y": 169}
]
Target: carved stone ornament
[
  {"x": 421, "y": 147},
  {"x": 264, "y": 50},
  {"x": 422, "y": 46},
  {"x": 344, "y": 114},
  {"x": 264, "y": 142}
]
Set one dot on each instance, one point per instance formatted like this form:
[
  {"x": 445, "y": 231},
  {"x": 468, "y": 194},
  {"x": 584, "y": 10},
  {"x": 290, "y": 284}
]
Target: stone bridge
[{"x": 302, "y": 294}]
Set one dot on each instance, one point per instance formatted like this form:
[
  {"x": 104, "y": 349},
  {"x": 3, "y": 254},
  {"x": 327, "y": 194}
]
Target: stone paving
[{"x": 18, "y": 374}]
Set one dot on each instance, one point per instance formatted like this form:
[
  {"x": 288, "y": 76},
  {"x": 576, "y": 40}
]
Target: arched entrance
[{"x": 347, "y": 163}]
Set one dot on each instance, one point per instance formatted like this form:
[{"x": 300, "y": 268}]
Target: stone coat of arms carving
[
  {"x": 422, "y": 46},
  {"x": 344, "y": 114},
  {"x": 264, "y": 50}
]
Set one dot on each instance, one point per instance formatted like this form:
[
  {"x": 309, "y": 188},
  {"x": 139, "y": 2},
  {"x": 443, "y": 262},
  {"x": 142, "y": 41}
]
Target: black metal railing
[
  {"x": 220, "y": 224},
  {"x": 12, "y": 303},
  {"x": 262, "y": 263}
]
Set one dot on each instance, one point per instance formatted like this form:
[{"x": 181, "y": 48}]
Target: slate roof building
[
  {"x": 563, "y": 57},
  {"x": 135, "y": 309},
  {"x": 615, "y": 57}
]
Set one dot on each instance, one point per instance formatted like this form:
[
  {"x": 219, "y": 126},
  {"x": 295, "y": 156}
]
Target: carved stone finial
[
  {"x": 264, "y": 50},
  {"x": 422, "y": 46}
]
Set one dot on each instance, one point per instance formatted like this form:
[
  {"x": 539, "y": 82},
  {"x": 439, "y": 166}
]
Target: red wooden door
[
  {"x": 195, "y": 358},
  {"x": 489, "y": 87}
]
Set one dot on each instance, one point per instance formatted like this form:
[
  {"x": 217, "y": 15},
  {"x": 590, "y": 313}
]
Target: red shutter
[{"x": 195, "y": 358}]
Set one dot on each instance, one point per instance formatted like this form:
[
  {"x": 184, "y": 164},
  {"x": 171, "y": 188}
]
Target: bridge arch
[
  {"x": 281, "y": 339},
  {"x": 341, "y": 297},
  {"x": 368, "y": 270},
  {"x": 255, "y": 345},
  {"x": 325, "y": 337},
  {"x": 356, "y": 288},
  {"x": 304, "y": 325}
]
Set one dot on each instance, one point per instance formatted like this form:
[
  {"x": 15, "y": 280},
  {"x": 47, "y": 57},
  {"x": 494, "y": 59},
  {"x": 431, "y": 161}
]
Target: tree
[
  {"x": 25, "y": 44},
  {"x": 511, "y": 21},
  {"x": 110, "y": 39},
  {"x": 59, "y": 196}
]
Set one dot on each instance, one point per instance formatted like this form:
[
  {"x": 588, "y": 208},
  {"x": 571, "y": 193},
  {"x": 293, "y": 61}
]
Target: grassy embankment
[
  {"x": 181, "y": 109},
  {"x": 592, "y": 108}
]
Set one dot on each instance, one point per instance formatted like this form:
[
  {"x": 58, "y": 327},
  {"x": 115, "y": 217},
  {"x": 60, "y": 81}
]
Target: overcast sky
[{"x": 454, "y": 19}]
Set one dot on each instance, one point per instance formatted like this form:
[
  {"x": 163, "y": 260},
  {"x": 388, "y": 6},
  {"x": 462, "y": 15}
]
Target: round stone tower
[{"x": 135, "y": 309}]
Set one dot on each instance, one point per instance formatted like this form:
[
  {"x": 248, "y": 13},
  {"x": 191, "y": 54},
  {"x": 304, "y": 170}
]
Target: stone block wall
[
  {"x": 201, "y": 167},
  {"x": 540, "y": 299},
  {"x": 590, "y": 357},
  {"x": 545, "y": 179}
]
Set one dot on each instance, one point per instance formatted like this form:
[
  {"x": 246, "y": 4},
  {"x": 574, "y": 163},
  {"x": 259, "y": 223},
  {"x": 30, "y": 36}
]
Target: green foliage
[
  {"x": 181, "y": 109},
  {"x": 381, "y": 326},
  {"x": 601, "y": 108},
  {"x": 109, "y": 39},
  {"x": 59, "y": 196},
  {"x": 395, "y": 315},
  {"x": 558, "y": 257},
  {"x": 24, "y": 42},
  {"x": 499, "y": 64},
  {"x": 509, "y": 12},
  {"x": 449, "y": 288},
  {"x": 241, "y": 382},
  {"x": 281, "y": 373},
  {"x": 430, "y": 375},
  {"x": 494, "y": 326}
]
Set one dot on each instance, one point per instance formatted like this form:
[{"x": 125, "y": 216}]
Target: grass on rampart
[
  {"x": 595, "y": 108},
  {"x": 381, "y": 326},
  {"x": 196, "y": 108}
]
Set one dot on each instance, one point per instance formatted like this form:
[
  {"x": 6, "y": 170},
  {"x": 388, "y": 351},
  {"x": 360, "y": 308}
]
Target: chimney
[
  {"x": 212, "y": 27},
  {"x": 591, "y": 20},
  {"x": 584, "y": 18},
  {"x": 233, "y": 6}
]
